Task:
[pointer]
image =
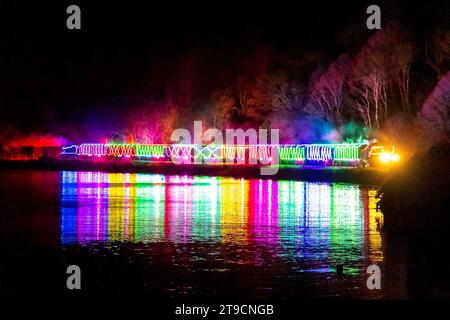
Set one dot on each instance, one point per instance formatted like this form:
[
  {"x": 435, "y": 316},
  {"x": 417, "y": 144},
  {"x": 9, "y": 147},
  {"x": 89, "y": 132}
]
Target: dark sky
[{"x": 125, "y": 51}]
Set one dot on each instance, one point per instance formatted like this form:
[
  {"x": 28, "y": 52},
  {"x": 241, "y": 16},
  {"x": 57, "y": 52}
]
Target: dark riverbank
[
  {"x": 416, "y": 198},
  {"x": 367, "y": 176},
  {"x": 416, "y": 208}
]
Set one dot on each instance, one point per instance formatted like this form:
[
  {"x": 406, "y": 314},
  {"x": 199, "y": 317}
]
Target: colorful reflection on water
[{"x": 321, "y": 224}]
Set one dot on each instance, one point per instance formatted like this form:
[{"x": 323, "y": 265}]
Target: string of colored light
[
  {"x": 150, "y": 150},
  {"x": 98, "y": 149},
  {"x": 316, "y": 152},
  {"x": 230, "y": 153},
  {"x": 346, "y": 152},
  {"x": 292, "y": 153}
]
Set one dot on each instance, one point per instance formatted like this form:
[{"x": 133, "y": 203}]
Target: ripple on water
[{"x": 254, "y": 232}]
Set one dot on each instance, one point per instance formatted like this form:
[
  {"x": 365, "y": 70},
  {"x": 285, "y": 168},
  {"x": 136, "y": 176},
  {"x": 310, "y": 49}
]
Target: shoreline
[{"x": 364, "y": 176}]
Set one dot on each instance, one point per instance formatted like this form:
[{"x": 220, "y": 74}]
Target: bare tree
[
  {"x": 392, "y": 51},
  {"x": 387, "y": 56},
  {"x": 244, "y": 99},
  {"x": 435, "y": 113},
  {"x": 223, "y": 106},
  {"x": 328, "y": 91},
  {"x": 151, "y": 124},
  {"x": 401, "y": 58},
  {"x": 437, "y": 51},
  {"x": 360, "y": 100},
  {"x": 368, "y": 88},
  {"x": 276, "y": 102}
]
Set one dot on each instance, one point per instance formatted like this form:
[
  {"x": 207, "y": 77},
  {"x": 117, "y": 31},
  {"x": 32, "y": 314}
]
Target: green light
[
  {"x": 292, "y": 153},
  {"x": 145, "y": 150},
  {"x": 346, "y": 152}
]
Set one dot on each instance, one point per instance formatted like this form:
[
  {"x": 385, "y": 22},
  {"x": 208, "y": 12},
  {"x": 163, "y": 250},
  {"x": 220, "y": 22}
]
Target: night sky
[{"x": 127, "y": 52}]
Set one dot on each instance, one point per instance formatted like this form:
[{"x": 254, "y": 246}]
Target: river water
[{"x": 184, "y": 237}]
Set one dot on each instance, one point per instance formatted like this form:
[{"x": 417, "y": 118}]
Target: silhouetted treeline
[
  {"x": 317, "y": 80},
  {"x": 395, "y": 88}
]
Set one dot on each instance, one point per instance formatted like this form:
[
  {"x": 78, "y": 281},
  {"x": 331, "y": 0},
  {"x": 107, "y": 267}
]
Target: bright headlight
[{"x": 385, "y": 157}]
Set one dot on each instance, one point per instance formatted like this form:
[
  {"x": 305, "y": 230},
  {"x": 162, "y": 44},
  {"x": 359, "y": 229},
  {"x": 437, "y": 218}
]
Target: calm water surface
[{"x": 187, "y": 237}]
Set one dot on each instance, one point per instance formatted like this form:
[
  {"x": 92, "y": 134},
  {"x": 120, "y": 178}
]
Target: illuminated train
[{"x": 338, "y": 154}]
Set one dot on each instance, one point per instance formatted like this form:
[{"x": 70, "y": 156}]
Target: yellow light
[
  {"x": 385, "y": 157},
  {"x": 395, "y": 157}
]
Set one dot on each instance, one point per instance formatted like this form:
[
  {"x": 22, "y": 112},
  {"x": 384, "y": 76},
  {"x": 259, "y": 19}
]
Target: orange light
[{"x": 385, "y": 157}]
